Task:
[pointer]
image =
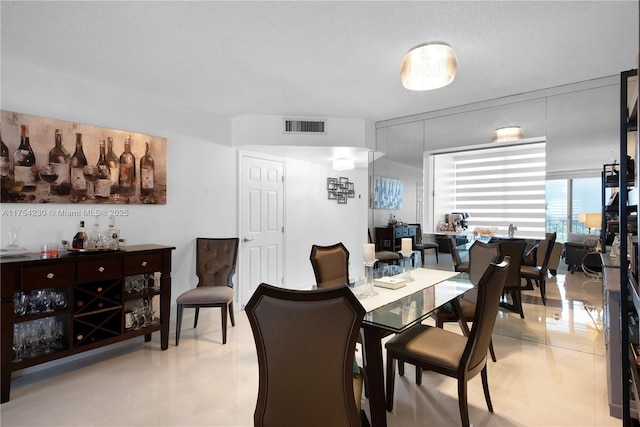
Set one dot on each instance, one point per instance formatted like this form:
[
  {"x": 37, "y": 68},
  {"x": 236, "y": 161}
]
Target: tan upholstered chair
[
  {"x": 215, "y": 267},
  {"x": 449, "y": 353},
  {"x": 458, "y": 265},
  {"x": 514, "y": 249},
  {"x": 305, "y": 342},
  {"x": 533, "y": 272},
  {"x": 481, "y": 255},
  {"x": 386, "y": 257},
  {"x": 330, "y": 265},
  {"x": 419, "y": 245}
]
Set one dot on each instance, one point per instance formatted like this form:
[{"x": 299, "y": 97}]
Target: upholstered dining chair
[
  {"x": 448, "y": 353},
  {"x": 305, "y": 342},
  {"x": 458, "y": 265},
  {"x": 215, "y": 267},
  {"x": 534, "y": 271},
  {"x": 514, "y": 249},
  {"x": 419, "y": 245},
  {"x": 387, "y": 257},
  {"x": 330, "y": 265},
  {"x": 481, "y": 255}
]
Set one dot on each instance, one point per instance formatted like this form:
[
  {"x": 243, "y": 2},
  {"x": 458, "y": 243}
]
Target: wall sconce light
[
  {"x": 429, "y": 66},
  {"x": 340, "y": 189},
  {"x": 507, "y": 133},
  {"x": 343, "y": 164}
]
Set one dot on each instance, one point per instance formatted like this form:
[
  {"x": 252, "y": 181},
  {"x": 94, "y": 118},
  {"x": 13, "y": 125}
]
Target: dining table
[{"x": 393, "y": 311}]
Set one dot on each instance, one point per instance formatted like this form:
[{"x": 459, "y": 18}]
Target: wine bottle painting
[{"x": 53, "y": 161}]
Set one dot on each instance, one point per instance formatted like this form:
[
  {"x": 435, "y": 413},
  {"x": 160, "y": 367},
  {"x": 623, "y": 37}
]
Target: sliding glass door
[{"x": 567, "y": 199}]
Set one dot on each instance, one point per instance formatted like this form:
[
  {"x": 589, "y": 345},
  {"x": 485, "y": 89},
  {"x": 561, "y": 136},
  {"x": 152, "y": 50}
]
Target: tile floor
[{"x": 550, "y": 372}]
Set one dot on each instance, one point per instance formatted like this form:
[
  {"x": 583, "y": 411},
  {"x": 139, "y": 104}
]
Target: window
[
  {"x": 568, "y": 198},
  {"x": 496, "y": 186}
]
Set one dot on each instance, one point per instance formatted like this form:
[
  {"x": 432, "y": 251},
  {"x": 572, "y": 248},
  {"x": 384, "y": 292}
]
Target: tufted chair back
[{"x": 216, "y": 261}]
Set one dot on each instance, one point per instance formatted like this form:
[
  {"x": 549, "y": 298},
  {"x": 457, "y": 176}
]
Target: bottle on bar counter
[
  {"x": 59, "y": 160},
  {"x": 146, "y": 173},
  {"x": 24, "y": 162},
  {"x": 127, "y": 176},
  {"x": 76, "y": 171},
  {"x": 80, "y": 240}
]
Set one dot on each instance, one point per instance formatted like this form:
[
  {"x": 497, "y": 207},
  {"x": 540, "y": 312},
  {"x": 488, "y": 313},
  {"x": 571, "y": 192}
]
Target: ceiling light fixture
[
  {"x": 429, "y": 66},
  {"x": 343, "y": 164},
  {"x": 508, "y": 133}
]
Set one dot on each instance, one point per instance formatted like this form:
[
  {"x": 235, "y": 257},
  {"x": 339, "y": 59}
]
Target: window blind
[{"x": 500, "y": 186}]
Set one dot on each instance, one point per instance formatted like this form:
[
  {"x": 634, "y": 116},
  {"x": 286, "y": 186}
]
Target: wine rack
[{"x": 95, "y": 300}]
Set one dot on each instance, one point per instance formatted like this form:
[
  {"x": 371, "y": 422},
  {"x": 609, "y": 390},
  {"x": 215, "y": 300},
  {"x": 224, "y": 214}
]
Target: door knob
[{"x": 247, "y": 240}]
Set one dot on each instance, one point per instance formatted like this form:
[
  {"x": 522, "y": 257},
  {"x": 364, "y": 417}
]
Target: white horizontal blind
[{"x": 500, "y": 186}]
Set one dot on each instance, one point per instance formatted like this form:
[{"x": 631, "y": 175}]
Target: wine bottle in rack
[
  {"x": 103, "y": 184},
  {"x": 5, "y": 162},
  {"x": 59, "y": 159},
  {"x": 24, "y": 162},
  {"x": 146, "y": 173},
  {"x": 114, "y": 166},
  {"x": 76, "y": 170},
  {"x": 80, "y": 240},
  {"x": 127, "y": 177}
]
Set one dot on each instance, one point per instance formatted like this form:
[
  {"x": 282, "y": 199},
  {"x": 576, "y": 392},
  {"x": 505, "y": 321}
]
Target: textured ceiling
[{"x": 320, "y": 59}]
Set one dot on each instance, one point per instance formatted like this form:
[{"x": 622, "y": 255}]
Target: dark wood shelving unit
[{"x": 95, "y": 286}]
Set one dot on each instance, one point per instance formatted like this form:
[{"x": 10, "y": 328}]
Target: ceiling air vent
[{"x": 304, "y": 126}]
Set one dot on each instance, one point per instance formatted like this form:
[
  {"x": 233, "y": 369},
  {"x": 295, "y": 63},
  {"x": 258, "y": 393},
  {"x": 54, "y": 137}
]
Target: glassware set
[
  {"x": 37, "y": 337},
  {"x": 139, "y": 314},
  {"x": 141, "y": 283},
  {"x": 39, "y": 301}
]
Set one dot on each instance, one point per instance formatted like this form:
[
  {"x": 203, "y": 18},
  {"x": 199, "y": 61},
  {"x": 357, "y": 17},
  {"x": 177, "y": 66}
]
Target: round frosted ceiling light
[
  {"x": 343, "y": 164},
  {"x": 429, "y": 66},
  {"x": 508, "y": 133}
]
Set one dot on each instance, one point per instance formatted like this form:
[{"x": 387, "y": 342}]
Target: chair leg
[
  {"x": 224, "y": 324},
  {"x": 491, "y": 351},
  {"x": 391, "y": 379},
  {"x": 516, "y": 296},
  {"x": 485, "y": 386},
  {"x": 529, "y": 285},
  {"x": 462, "y": 401},
  {"x": 401, "y": 368},
  {"x": 178, "y": 323},
  {"x": 195, "y": 320},
  {"x": 233, "y": 320},
  {"x": 436, "y": 250},
  {"x": 543, "y": 291},
  {"x": 418, "y": 375}
]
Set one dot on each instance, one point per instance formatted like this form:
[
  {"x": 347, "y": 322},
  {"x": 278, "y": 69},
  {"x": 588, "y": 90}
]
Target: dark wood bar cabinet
[{"x": 98, "y": 289}]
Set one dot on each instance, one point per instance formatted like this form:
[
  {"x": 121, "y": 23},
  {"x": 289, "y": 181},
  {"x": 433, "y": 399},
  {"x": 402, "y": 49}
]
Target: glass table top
[{"x": 397, "y": 309}]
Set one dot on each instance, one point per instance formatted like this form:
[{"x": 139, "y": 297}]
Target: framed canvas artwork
[{"x": 54, "y": 161}]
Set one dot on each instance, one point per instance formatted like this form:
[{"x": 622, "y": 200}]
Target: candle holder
[
  {"x": 367, "y": 289},
  {"x": 406, "y": 266}
]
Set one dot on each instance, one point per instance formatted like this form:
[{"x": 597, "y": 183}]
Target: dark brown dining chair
[
  {"x": 330, "y": 265},
  {"x": 422, "y": 247},
  {"x": 305, "y": 342},
  {"x": 513, "y": 283},
  {"x": 537, "y": 272},
  {"x": 448, "y": 353},
  {"x": 481, "y": 255},
  {"x": 215, "y": 267},
  {"x": 387, "y": 257},
  {"x": 458, "y": 265}
]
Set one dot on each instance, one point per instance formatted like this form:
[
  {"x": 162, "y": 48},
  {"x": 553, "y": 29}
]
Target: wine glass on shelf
[
  {"x": 49, "y": 175},
  {"x": 91, "y": 175}
]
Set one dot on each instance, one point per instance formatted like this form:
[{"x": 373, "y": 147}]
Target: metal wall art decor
[
  {"x": 53, "y": 161},
  {"x": 387, "y": 193},
  {"x": 340, "y": 189}
]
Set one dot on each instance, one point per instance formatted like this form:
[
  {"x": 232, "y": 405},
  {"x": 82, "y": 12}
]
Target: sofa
[{"x": 575, "y": 249}]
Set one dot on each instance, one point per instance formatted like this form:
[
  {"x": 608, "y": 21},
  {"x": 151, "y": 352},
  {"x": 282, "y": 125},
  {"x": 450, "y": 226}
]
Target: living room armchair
[{"x": 576, "y": 247}]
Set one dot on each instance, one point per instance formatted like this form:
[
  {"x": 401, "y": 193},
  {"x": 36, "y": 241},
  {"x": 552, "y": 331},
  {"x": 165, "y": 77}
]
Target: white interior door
[{"x": 262, "y": 224}]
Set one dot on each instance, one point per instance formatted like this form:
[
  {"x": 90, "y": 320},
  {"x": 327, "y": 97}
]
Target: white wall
[{"x": 317, "y": 220}]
